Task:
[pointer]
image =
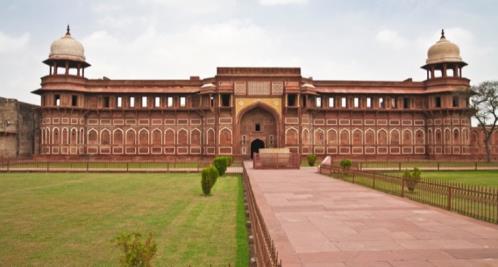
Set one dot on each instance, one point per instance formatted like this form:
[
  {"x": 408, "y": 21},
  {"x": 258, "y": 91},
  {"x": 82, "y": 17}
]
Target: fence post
[
  {"x": 127, "y": 167},
  {"x": 438, "y": 166},
  {"x": 353, "y": 177},
  {"x": 8, "y": 165},
  {"x": 87, "y": 165},
  {"x": 48, "y": 166},
  {"x": 449, "y": 197},
  {"x": 399, "y": 166},
  {"x": 402, "y": 187},
  {"x": 475, "y": 166},
  {"x": 373, "y": 184}
]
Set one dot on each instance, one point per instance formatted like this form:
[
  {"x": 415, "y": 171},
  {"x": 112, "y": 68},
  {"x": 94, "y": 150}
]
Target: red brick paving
[{"x": 319, "y": 221}]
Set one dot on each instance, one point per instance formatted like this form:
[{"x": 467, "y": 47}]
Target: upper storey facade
[{"x": 241, "y": 109}]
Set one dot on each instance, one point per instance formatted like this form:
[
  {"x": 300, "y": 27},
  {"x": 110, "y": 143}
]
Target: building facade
[
  {"x": 19, "y": 124},
  {"x": 240, "y": 110}
]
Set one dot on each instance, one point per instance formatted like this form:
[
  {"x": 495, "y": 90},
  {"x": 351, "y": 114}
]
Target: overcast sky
[{"x": 174, "y": 39}]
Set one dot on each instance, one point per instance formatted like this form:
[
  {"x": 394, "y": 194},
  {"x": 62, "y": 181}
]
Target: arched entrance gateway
[
  {"x": 258, "y": 129},
  {"x": 256, "y": 145}
]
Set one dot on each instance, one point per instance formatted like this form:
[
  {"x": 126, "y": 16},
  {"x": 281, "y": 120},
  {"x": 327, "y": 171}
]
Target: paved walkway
[{"x": 319, "y": 221}]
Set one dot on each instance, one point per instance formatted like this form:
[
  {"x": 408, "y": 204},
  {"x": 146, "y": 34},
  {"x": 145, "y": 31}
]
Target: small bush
[
  {"x": 221, "y": 163},
  {"x": 209, "y": 176},
  {"x": 311, "y": 159},
  {"x": 412, "y": 178},
  {"x": 136, "y": 252},
  {"x": 229, "y": 160},
  {"x": 416, "y": 174},
  {"x": 407, "y": 174},
  {"x": 346, "y": 164}
]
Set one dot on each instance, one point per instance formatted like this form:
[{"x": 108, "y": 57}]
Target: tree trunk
[{"x": 488, "y": 148}]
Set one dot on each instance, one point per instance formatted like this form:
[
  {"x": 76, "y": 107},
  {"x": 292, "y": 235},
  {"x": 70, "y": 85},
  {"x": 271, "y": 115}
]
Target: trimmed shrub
[
  {"x": 346, "y": 164},
  {"x": 412, "y": 178},
  {"x": 136, "y": 253},
  {"x": 229, "y": 160},
  {"x": 311, "y": 159},
  {"x": 209, "y": 176},
  {"x": 221, "y": 163}
]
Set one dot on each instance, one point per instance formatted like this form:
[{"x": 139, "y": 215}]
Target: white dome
[
  {"x": 67, "y": 48},
  {"x": 443, "y": 51}
]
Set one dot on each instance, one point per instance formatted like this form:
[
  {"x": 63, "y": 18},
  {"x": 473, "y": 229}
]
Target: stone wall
[{"x": 19, "y": 126}]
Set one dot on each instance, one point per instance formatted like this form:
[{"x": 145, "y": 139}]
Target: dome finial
[
  {"x": 442, "y": 34},
  {"x": 68, "y": 30}
]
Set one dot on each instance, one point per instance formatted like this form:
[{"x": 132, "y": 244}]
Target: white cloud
[
  {"x": 10, "y": 44},
  {"x": 390, "y": 38},
  {"x": 195, "y": 51},
  {"x": 281, "y": 2}
]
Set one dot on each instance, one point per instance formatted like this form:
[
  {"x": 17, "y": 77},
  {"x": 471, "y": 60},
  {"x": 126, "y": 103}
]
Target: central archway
[
  {"x": 256, "y": 145},
  {"x": 258, "y": 122}
]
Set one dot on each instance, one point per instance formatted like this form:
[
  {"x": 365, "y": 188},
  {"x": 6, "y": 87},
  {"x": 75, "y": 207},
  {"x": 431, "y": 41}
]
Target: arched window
[
  {"x": 143, "y": 137},
  {"x": 182, "y": 137},
  {"x": 156, "y": 137},
  {"x": 225, "y": 137},
  {"x": 210, "y": 137},
  {"x": 407, "y": 137},
  {"x": 382, "y": 137},
  {"x": 169, "y": 137},
  {"x": 195, "y": 137},
  {"x": 118, "y": 137},
  {"x": 438, "y": 137},
  {"x": 395, "y": 137},
  {"x": 105, "y": 137},
  {"x": 65, "y": 136},
  {"x": 332, "y": 137},
  {"x": 74, "y": 136},
  {"x": 344, "y": 137},
  {"x": 56, "y": 137},
  {"x": 369, "y": 137},
  {"x": 291, "y": 136},
  {"x": 456, "y": 137},
  {"x": 92, "y": 137},
  {"x": 357, "y": 137},
  {"x": 130, "y": 137},
  {"x": 447, "y": 137},
  {"x": 419, "y": 137},
  {"x": 306, "y": 137},
  {"x": 319, "y": 137}
]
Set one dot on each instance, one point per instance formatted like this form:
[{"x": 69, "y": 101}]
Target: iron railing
[
  {"x": 106, "y": 166},
  {"x": 262, "y": 246}
]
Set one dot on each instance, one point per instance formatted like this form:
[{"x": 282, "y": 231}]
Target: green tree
[{"x": 485, "y": 105}]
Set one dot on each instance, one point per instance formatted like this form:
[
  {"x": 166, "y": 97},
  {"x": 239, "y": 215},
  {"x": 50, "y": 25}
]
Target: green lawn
[
  {"x": 480, "y": 204},
  {"x": 70, "y": 219},
  {"x": 488, "y": 178}
]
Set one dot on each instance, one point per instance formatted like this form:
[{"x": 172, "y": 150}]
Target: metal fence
[
  {"x": 104, "y": 166},
  {"x": 276, "y": 161},
  {"x": 427, "y": 165},
  {"x": 262, "y": 246},
  {"x": 480, "y": 202}
]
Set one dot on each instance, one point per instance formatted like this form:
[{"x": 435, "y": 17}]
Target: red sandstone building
[{"x": 242, "y": 109}]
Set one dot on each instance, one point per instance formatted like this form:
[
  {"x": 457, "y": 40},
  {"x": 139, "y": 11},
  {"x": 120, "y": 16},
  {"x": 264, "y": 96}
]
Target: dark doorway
[{"x": 256, "y": 145}]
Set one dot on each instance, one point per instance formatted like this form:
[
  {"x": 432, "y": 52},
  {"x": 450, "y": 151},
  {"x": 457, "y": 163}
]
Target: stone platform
[{"x": 320, "y": 221}]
